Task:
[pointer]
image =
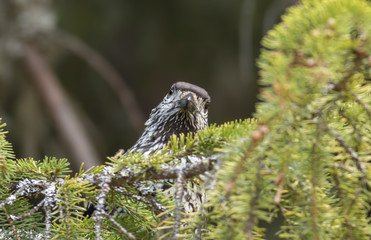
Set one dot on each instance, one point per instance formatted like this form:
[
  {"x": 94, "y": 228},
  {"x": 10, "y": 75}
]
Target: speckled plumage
[{"x": 183, "y": 110}]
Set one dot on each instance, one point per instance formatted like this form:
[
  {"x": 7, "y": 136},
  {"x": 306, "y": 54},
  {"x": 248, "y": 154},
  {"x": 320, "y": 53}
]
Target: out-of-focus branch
[
  {"x": 109, "y": 74},
  {"x": 246, "y": 55},
  {"x": 67, "y": 122}
]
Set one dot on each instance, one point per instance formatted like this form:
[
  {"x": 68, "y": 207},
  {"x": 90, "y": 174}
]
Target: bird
[{"x": 183, "y": 110}]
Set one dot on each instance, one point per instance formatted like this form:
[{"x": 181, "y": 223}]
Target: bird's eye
[
  {"x": 171, "y": 91},
  {"x": 206, "y": 106}
]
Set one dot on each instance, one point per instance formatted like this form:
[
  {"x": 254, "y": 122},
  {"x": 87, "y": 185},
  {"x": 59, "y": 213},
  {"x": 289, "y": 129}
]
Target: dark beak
[{"x": 187, "y": 103}]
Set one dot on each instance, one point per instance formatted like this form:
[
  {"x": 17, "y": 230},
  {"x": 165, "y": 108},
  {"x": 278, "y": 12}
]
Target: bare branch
[
  {"x": 109, "y": 74},
  {"x": 67, "y": 122}
]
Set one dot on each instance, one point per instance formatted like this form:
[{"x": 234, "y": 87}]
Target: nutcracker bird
[{"x": 183, "y": 110}]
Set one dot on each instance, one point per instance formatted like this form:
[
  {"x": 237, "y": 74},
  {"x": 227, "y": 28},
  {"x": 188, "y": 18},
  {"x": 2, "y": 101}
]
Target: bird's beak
[{"x": 187, "y": 103}]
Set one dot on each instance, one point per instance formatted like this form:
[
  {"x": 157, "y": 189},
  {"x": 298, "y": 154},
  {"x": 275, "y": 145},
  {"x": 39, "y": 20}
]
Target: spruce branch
[
  {"x": 280, "y": 181},
  {"x": 178, "y": 202},
  {"x": 25, "y": 187},
  {"x": 30, "y": 213},
  {"x": 340, "y": 195},
  {"x": 315, "y": 173},
  {"x": 147, "y": 199},
  {"x": 342, "y": 84},
  {"x": 256, "y": 137},
  {"x": 169, "y": 172},
  {"x": 365, "y": 106},
  {"x": 100, "y": 207},
  {"x": 353, "y": 154},
  {"x": 11, "y": 222},
  {"x": 50, "y": 199},
  {"x": 122, "y": 229},
  {"x": 251, "y": 221},
  {"x": 48, "y": 221}
]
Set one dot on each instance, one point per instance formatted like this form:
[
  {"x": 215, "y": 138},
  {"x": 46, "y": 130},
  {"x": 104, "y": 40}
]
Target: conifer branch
[
  {"x": 341, "y": 85},
  {"x": 11, "y": 223},
  {"x": 101, "y": 200},
  {"x": 48, "y": 221},
  {"x": 249, "y": 227},
  {"x": 25, "y": 188},
  {"x": 30, "y": 213},
  {"x": 122, "y": 229},
  {"x": 150, "y": 201},
  {"x": 170, "y": 172},
  {"x": 178, "y": 202},
  {"x": 365, "y": 106},
  {"x": 280, "y": 182},
  {"x": 315, "y": 172},
  {"x": 50, "y": 198},
  {"x": 256, "y": 137},
  {"x": 353, "y": 154}
]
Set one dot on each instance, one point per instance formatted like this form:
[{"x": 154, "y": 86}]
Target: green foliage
[
  {"x": 305, "y": 159},
  {"x": 313, "y": 167}
]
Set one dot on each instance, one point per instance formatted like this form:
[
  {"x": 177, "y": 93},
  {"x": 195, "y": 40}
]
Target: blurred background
[{"x": 79, "y": 78}]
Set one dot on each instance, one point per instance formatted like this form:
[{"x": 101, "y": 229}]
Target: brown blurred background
[{"x": 149, "y": 44}]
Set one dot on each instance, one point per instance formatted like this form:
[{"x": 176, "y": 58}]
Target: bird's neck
[{"x": 159, "y": 128}]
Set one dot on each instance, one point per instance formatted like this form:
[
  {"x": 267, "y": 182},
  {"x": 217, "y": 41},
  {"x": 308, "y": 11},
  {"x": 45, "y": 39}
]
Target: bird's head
[{"x": 184, "y": 109}]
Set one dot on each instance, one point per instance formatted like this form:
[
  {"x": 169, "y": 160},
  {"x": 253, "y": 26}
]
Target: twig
[
  {"x": 280, "y": 182},
  {"x": 48, "y": 220},
  {"x": 353, "y": 154},
  {"x": 49, "y": 202},
  {"x": 25, "y": 187},
  {"x": 147, "y": 199},
  {"x": 341, "y": 85},
  {"x": 67, "y": 122},
  {"x": 320, "y": 127},
  {"x": 363, "y": 104},
  {"x": 341, "y": 199},
  {"x": 122, "y": 229},
  {"x": 109, "y": 74},
  {"x": 11, "y": 199},
  {"x": 253, "y": 202},
  {"x": 257, "y": 136},
  {"x": 10, "y": 220},
  {"x": 33, "y": 210},
  {"x": 101, "y": 200},
  {"x": 178, "y": 203}
]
